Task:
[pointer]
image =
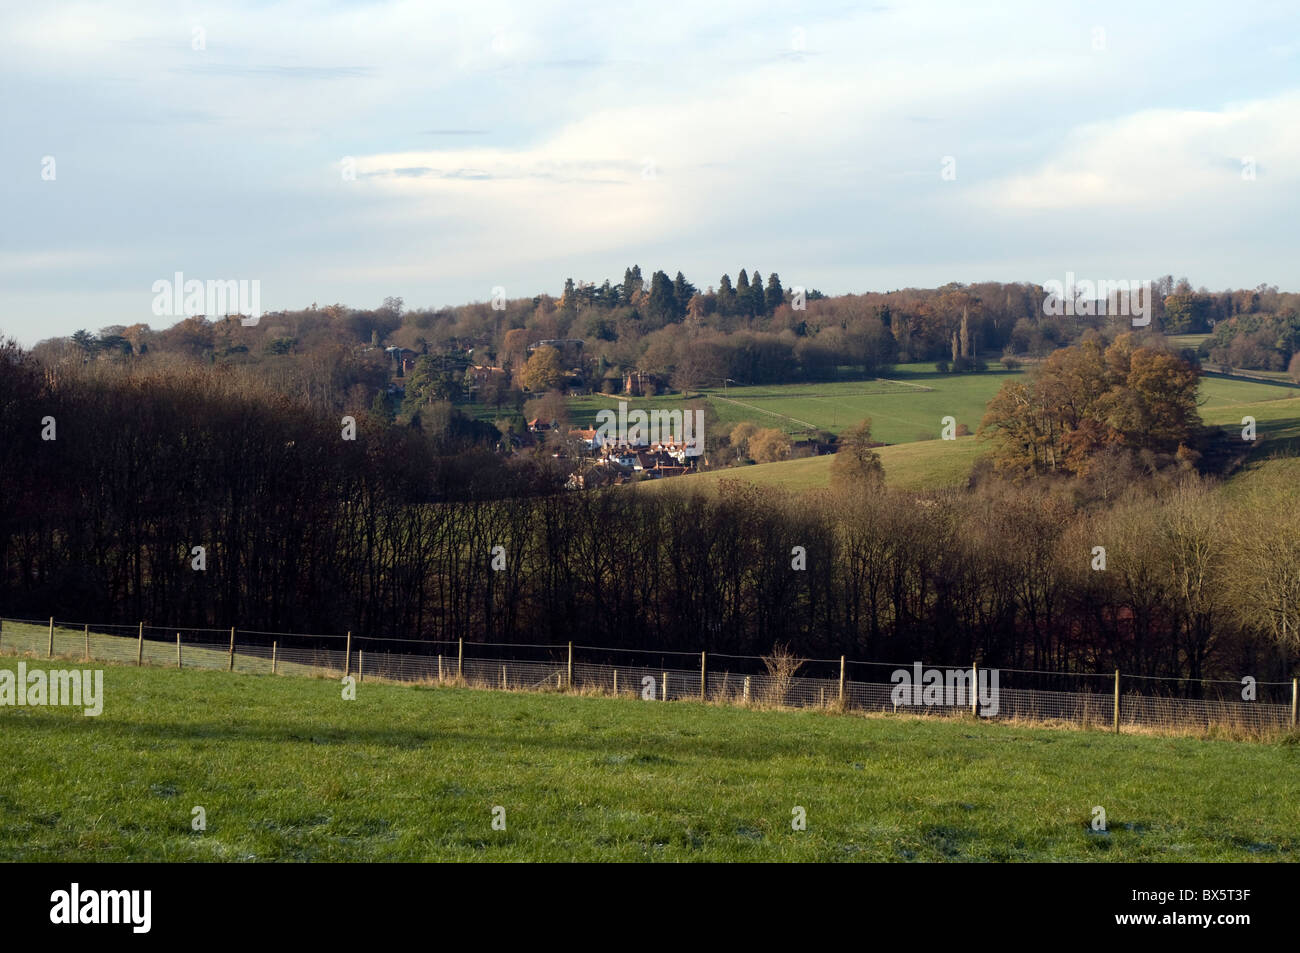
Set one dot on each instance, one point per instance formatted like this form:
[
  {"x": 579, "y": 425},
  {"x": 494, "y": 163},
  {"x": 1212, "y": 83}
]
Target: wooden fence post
[
  {"x": 704, "y": 692},
  {"x": 1295, "y": 693},
  {"x": 841, "y": 679},
  {"x": 439, "y": 669},
  {"x": 231, "y": 666},
  {"x": 178, "y": 650},
  {"x": 139, "y": 651},
  {"x": 361, "y": 665},
  {"x": 50, "y": 652},
  {"x": 569, "y": 683},
  {"x": 664, "y": 687},
  {"x": 615, "y": 681},
  {"x": 974, "y": 689},
  {"x": 746, "y": 688},
  {"x": 460, "y": 659},
  {"x": 347, "y": 657},
  {"x": 87, "y": 641},
  {"x": 274, "y": 646},
  {"x": 1116, "y": 715}
]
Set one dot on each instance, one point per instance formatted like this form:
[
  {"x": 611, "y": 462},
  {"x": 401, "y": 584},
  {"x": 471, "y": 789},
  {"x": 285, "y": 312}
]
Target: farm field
[
  {"x": 935, "y": 464},
  {"x": 286, "y": 770},
  {"x": 906, "y": 405}
]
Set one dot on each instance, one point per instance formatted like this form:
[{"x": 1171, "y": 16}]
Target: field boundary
[{"x": 1087, "y": 700}]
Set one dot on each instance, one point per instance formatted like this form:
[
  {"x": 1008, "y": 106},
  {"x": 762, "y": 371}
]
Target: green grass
[
  {"x": 936, "y": 464},
  {"x": 287, "y": 770},
  {"x": 908, "y": 405}
]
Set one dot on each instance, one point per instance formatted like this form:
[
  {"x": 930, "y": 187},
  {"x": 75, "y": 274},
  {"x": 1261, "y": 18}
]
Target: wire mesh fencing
[{"x": 1096, "y": 700}]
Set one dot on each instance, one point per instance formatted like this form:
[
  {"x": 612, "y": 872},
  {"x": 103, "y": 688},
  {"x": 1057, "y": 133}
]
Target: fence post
[
  {"x": 50, "y": 652},
  {"x": 664, "y": 687},
  {"x": 746, "y": 688},
  {"x": 1295, "y": 692},
  {"x": 569, "y": 683},
  {"x": 361, "y": 665},
  {"x": 87, "y": 641},
  {"x": 347, "y": 656},
  {"x": 460, "y": 659},
  {"x": 503, "y": 678},
  {"x": 974, "y": 689},
  {"x": 274, "y": 646},
  {"x": 841, "y": 679},
  {"x": 231, "y": 666},
  {"x": 1116, "y": 715},
  {"x": 704, "y": 694},
  {"x": 615, "y": 681},
  {"x": 139, "y": 651},
  {"x": 178, "y": 650},
  {"x": 439, "y": 669}
]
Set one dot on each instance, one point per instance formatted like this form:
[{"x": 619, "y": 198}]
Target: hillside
[{"x": 935, "y": 464}]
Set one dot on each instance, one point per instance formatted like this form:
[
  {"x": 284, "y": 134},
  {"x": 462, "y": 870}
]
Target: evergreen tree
[
  {"x": 775, "y": 293},
  {"x": 757, "y": 302},
  {"x": 726, "y": 297},
  {"x": 569, "y": 303},
  {"x": 663, "y": 303},
  {"x": 632, "y": 283},
  {"x": 683, "y": 291}
]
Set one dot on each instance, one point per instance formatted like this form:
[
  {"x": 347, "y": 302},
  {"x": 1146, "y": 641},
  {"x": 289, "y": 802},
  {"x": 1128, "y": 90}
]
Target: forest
[{"x": 114, "y": 474}]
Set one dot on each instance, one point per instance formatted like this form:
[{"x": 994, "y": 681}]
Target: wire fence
[{"x": 1101, "y": 700}]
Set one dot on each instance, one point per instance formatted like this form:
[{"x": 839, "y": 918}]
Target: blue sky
[{"x": 516, "y": 144}]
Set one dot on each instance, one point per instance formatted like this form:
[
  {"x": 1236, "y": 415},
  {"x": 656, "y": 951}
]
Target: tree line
[{"x": 394, "y": 534}]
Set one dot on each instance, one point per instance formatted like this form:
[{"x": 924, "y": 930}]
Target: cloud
[{"x": 1155, "y": 159}]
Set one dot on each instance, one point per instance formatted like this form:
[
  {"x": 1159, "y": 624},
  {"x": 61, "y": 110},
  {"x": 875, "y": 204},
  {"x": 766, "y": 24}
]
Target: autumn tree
[
  {"x": 769, "y": 446},
  {"x": 1084, "y": 399},
  {"x": 857, "y": 464},
  {"x": 740, "y": 436},
  {"x": 543, "y": 371}
]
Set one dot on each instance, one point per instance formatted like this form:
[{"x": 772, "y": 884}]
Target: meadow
[
  {"x": 907, "y": 405},
  {"x": 935, "y": 464},
  {"x": 286, "y": 770}
]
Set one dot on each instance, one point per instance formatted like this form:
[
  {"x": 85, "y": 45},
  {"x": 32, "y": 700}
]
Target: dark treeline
[{"x": 393, "y": 535}]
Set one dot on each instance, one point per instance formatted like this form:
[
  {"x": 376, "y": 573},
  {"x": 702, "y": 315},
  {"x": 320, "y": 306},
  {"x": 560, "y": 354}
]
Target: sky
[{"x": 346, "y": 152}]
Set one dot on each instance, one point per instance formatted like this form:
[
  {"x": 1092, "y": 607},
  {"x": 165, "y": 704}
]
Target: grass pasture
[
  {"x": 907, "y": 405},
  {"x": 286, "y": 770},
  {"x": 935, "y": 464}
]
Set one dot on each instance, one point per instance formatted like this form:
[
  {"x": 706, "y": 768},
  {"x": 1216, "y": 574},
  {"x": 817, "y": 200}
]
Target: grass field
[
  {"x": 906, "y": 406},
  {"x": 935, "y": 464},
  {"x": 287, "y": 770}
]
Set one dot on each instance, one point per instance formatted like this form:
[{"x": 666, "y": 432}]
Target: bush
[
  {"x": 1010, "y": 363},
  {"x": 941, "y": 367}
]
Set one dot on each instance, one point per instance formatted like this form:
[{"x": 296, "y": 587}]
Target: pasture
[{"x": 286, "y": 770}]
